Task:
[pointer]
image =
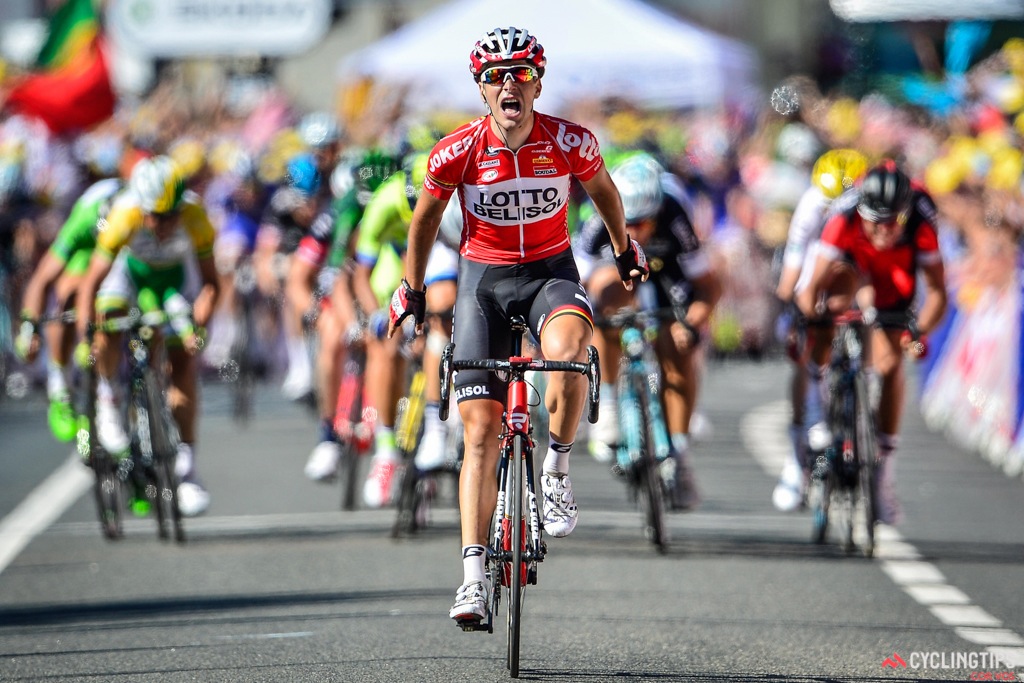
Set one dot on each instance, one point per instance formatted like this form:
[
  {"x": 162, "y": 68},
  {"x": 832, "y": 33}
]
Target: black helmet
[{"x": 885, "y": 193}]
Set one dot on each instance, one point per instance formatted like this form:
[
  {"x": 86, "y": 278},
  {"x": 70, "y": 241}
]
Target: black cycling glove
[{"x": 632, "y": 259}]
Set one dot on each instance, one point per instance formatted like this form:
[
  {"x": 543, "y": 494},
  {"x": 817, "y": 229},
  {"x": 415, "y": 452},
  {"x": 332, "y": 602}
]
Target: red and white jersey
[
  {"x": 892, "y": 272},
  {"x": 514, "y": 203}
]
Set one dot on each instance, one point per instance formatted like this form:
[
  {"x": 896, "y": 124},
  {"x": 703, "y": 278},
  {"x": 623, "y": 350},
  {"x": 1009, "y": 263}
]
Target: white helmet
[
  {"x": 319, "y": 129},
  {"x": 639, "y": 181},
  {"x": 158, "y": 183}
]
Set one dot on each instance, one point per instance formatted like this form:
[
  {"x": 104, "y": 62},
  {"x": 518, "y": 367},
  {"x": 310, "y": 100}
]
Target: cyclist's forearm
[
  {"x": 362, "y": 289},
  {"x": 932, "y": 310},
  {"x": 42, "y": 279}
]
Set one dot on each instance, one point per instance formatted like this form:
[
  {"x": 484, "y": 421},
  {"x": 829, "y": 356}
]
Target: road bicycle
[
  {"x": 645, "y": 442},
  {"x": 242, "y": 364},
  {"x": 516, "y": 546},
  {"x": 419, "y": 489},
  {"x": 354, "y": 420},
  {"x": 148, "y": 467},
  {"x": 842, "y": 482}
]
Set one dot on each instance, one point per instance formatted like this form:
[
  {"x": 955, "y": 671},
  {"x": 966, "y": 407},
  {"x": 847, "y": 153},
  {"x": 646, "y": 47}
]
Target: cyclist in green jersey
[
  {"x": 60, "y": 271},
  {"x": 383, "y": 236},
  {"x": 338, "y": 322}
]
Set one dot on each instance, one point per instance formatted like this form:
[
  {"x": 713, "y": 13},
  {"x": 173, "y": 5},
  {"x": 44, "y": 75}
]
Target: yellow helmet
[{"x": 836, "y": 169}]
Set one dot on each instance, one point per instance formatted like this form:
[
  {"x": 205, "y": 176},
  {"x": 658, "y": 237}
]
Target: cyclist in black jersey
[{"x": 658, "y": 217}]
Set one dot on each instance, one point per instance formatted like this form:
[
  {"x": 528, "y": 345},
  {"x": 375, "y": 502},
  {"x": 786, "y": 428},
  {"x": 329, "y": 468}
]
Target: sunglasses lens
[
  {"x": 496, "y": 75},
  {"x": 523, "y": 74}
]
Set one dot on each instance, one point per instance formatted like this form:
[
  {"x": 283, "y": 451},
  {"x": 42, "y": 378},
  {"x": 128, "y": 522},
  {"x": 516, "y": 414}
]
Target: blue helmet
[{"x": 303, "y": 175}]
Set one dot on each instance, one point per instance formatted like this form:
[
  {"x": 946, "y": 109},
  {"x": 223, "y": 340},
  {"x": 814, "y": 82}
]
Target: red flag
[{"x": 74, "y": 97}]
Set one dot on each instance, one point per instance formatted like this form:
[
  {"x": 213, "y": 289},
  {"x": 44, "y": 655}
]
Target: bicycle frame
[
  {"x": 354, "y": 419},
  {"x": 645, "y": 438},
  {"x": 154, "y": 444},
  {"x": 845, "y": 470},
  {"x": 516, "y": 545}
]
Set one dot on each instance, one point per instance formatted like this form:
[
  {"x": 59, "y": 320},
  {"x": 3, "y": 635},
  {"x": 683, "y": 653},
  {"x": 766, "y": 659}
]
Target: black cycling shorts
[{"x": 489, "y": 295}]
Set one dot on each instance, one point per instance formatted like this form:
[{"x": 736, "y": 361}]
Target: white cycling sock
[
  {"x": 56, "y": 380},
  {"x": 473, "y": 557},
  {"x": 384, "y": 442},
  {"x": 557, "y": 458},
  {"x": 104, "y": 392},
  {"x": 298, "y": 356}
]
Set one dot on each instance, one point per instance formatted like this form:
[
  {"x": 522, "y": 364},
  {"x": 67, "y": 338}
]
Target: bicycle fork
[{"x": 517, "y": 425}]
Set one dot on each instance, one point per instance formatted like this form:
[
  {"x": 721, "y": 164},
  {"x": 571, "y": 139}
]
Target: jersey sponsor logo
[
  {"x": 489, "y": 176},
  {"x": 545, "y": 171},
  {"x": 491, "y": 151},
  {"x": 449, "y": 153},
  {"x": 543, "y": 160},
  {"x": 489, "y": 164},
  {"x": 472, "y": 390},
  {"x": 588, "y": 147},
  {"x": 522, "y": 200}
]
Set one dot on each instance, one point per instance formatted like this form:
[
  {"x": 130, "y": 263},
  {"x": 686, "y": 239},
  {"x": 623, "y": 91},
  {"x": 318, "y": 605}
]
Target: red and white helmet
[{"x": 506, "y": 45}]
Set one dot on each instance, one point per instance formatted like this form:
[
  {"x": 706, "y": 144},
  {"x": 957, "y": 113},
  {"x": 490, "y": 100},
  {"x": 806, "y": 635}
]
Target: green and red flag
[{"x": 70, "y": 90}]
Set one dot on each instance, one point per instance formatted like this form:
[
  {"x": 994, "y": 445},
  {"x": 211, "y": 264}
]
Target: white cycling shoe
[
  {"x": 560, "y": 511},
  {"x": 193, "y": 499},
  {"x": 431, "y": 455},
  {"x": 110, "y": 429},
  {"x": 472, "y": 602},
  {"x": 604, "y": 435},
  {"x": 323, "y": 461}
]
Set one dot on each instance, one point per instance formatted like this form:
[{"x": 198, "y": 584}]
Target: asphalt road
[{"x": 276, "y": 583}]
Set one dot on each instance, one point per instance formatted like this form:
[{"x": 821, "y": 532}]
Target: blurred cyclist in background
[
  {"x": 834, "y": 172},
  {"x": 657, "y": 214},
  {"x": 61, "y": 271},
  {"x": 340, "y": 321},
  {"x": 149, "y": 235},
  {"x": 381, "y": 243},
  {"x": 884, "y": 231},
  {"x": 296, "y": 209}
]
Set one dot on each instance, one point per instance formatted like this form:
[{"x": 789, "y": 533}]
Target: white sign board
[
  {"x": 926, "y": 10},
  {"x": 203, "y": 28}
]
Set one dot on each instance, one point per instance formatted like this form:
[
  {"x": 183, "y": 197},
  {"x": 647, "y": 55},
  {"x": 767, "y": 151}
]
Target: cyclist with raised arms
[
  {"x": 150, "y": 234},
  {"x": 834, "y": 172},
  {"x": 657, "y": 212},
  {"x": 512, "y": 169},
  {"x": 885, "y": 230}
]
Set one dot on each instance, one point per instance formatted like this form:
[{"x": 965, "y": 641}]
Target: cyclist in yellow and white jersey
[
  {"x": 834, "y": 172},
  {"x": 151, "y": 234}
]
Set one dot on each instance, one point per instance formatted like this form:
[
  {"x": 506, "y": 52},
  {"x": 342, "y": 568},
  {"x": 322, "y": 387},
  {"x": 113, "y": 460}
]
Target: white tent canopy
[{"x": 595, "y": 48}]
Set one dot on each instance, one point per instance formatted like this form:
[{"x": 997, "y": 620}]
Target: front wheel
[
  {"x": 819, "y": 492},
  {"x": 109, "y": 491},
  {"x": 867, "y": 460},
  {"x": 164, "y": 442},
  {"x": 652, "y": 496},
  {"x": 517, "y": 580}
]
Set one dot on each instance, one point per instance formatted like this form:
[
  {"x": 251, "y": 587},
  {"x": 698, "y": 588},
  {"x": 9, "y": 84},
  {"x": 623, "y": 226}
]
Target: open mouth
[{"x": 510, "y": 106}]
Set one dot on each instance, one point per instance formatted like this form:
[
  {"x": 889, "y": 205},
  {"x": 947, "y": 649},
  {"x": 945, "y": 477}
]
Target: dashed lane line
[{"x": 764, "y": 431}]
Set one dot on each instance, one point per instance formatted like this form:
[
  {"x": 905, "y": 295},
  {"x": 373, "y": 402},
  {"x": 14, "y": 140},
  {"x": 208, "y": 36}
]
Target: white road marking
[
  {"x": 764, "y": 433},
  {"x": 42, "y": 507}
]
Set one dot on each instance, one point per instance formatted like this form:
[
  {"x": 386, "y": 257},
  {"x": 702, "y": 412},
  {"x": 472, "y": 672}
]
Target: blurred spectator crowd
[{"x": 745, "y": 169}]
